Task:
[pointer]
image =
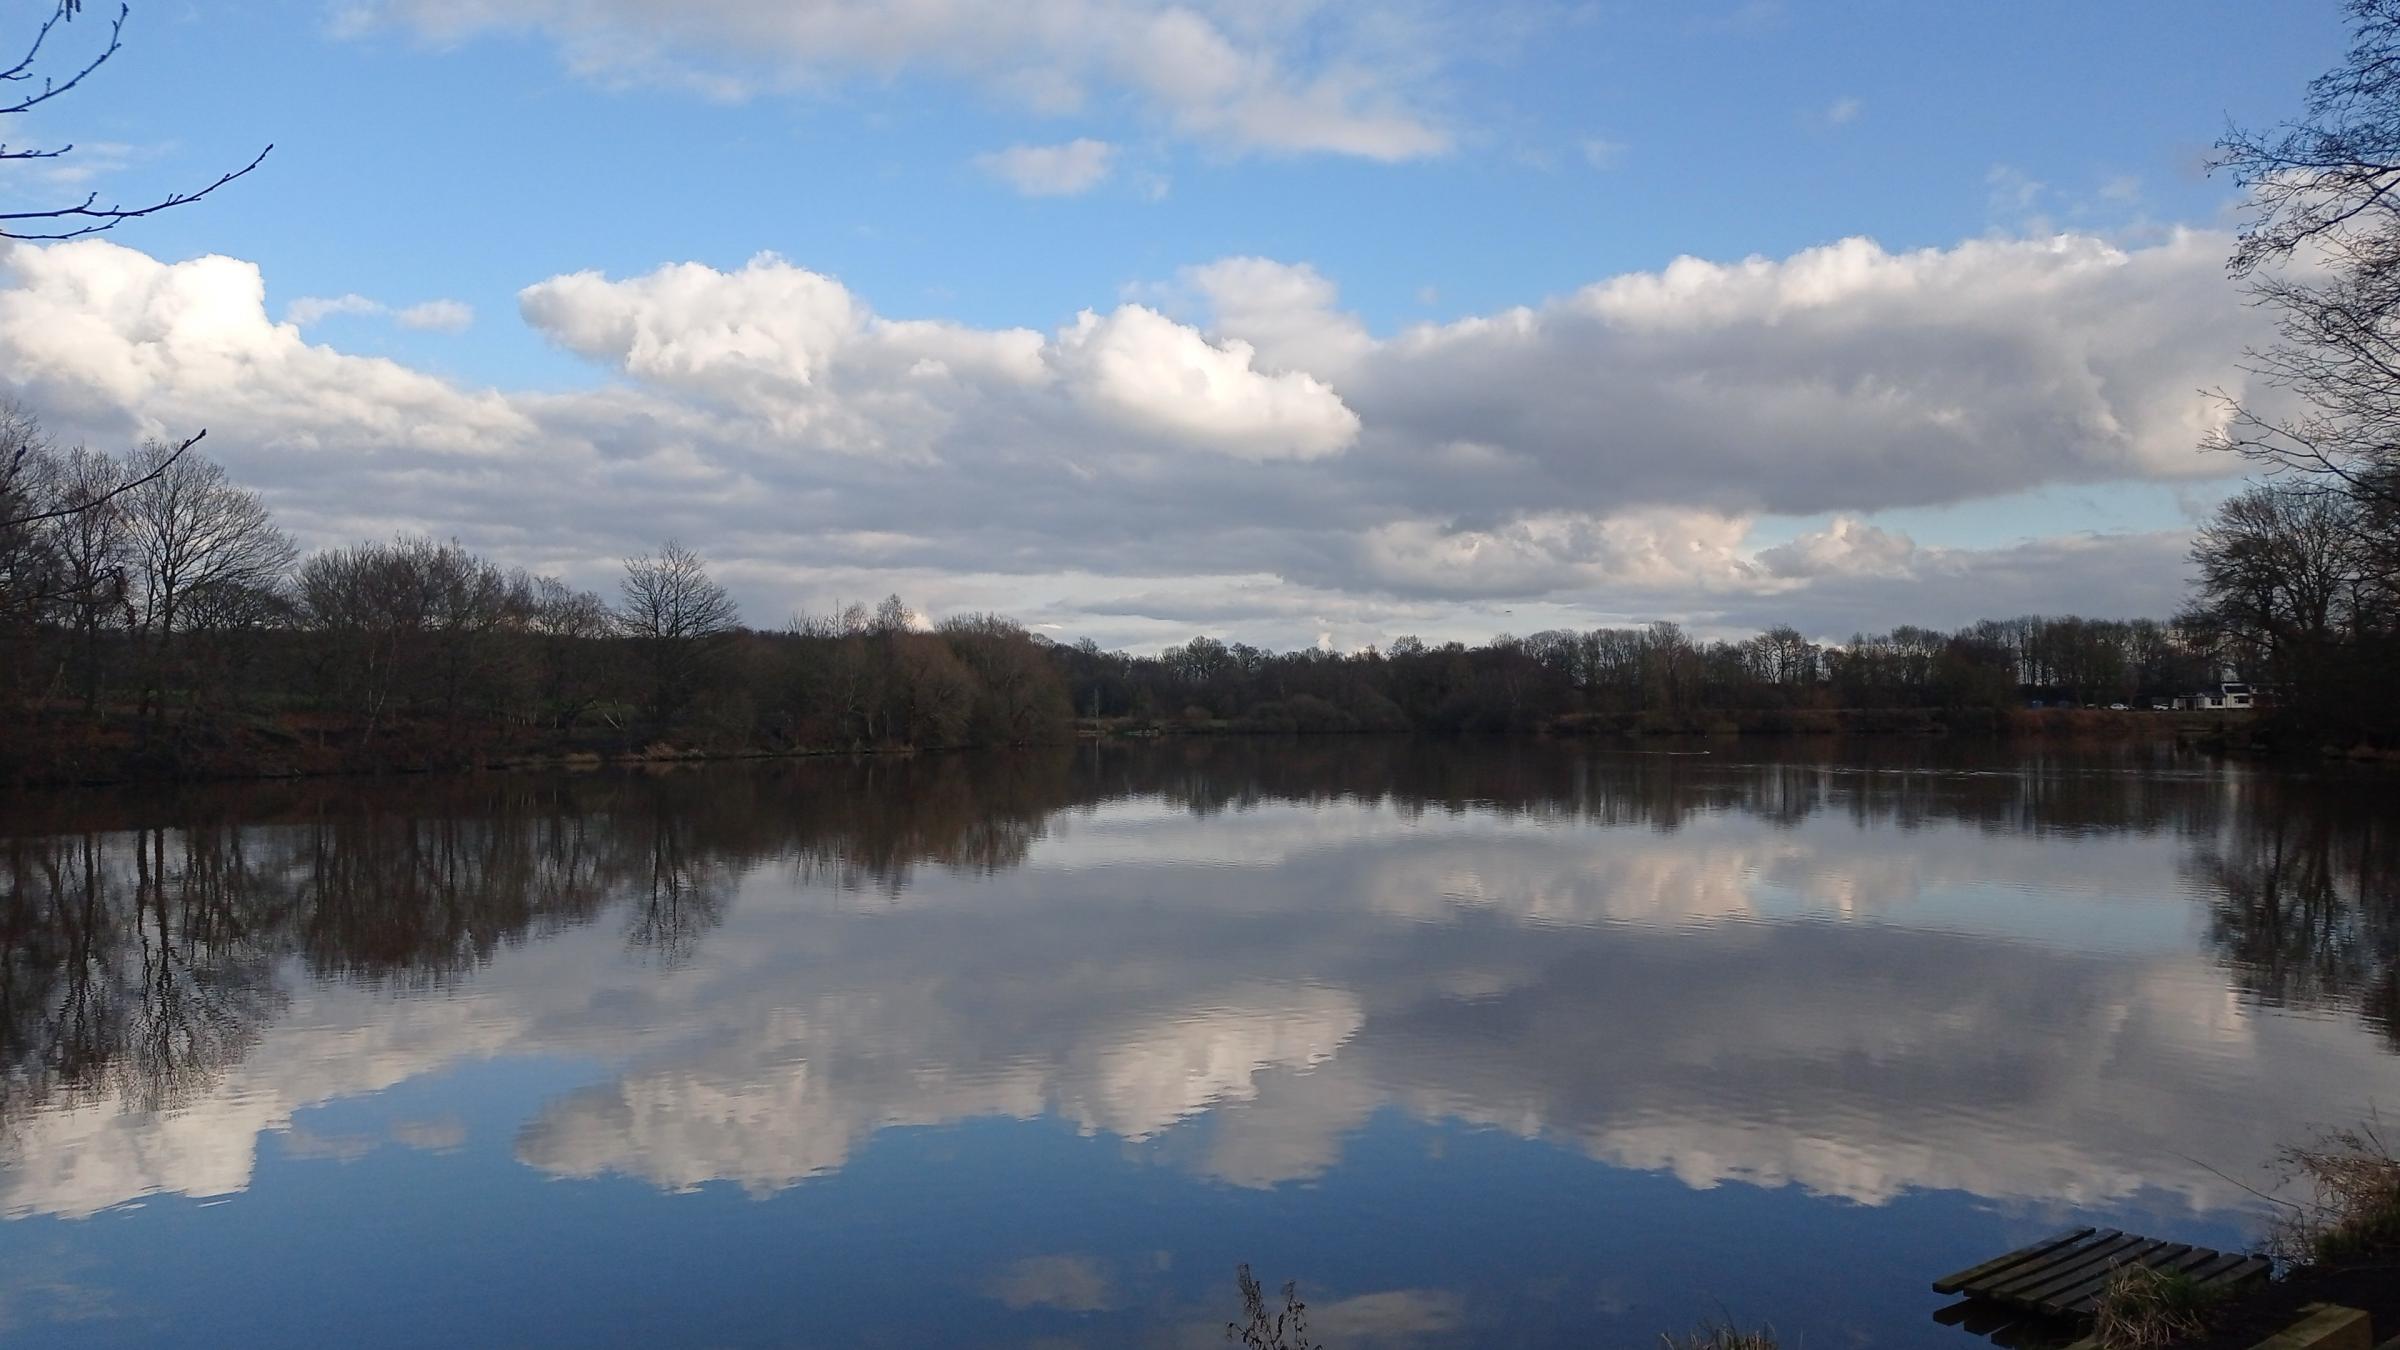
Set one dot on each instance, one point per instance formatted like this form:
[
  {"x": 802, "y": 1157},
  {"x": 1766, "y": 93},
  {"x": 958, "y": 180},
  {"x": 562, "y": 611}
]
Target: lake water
[{"x": 1483, "y": 1044}]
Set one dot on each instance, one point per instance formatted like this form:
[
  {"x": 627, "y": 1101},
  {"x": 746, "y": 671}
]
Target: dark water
[{"x": 1489, "y": 1045}]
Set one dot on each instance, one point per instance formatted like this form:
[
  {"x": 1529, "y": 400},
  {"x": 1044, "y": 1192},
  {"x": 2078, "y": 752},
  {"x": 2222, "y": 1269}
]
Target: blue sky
[{"x": 1427, "y": 163}]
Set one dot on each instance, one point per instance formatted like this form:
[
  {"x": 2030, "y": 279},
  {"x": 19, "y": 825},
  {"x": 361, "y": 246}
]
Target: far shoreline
[{"x": 254, "y": 753}]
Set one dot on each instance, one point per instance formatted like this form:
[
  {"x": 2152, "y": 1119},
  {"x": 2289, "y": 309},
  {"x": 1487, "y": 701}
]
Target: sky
[{"x": 1292, "y": 322}]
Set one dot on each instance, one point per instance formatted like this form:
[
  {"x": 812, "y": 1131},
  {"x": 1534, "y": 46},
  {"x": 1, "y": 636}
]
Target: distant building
[{"x": 2225, "y": 697}]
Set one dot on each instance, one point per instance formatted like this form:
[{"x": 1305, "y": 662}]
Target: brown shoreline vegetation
[{"x": 265, "y": 747}]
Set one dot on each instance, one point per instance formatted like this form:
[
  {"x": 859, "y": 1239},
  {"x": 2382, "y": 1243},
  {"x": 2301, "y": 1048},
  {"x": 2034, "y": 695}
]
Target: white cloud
[
  {"x": 310, "y": 310},
  {"x": 1842, "y": 111},
  {"x": 448, "y": 316},
  {"x": 1145, "y": 372},
  {"x": 1282, "y": 77},
  {"x": 1065, "y": 170},
  {"x": 1286, "y": 310},
  {"x": 1845, "y": 547},
  {"x": 1618, "y": 449},
  {"x": 1603, "y": 153}
]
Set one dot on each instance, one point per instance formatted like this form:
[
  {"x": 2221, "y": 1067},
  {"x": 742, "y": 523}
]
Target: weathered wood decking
[{"x": 2062, "y": 1275}]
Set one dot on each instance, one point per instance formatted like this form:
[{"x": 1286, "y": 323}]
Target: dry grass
[
  {"x": 2353, "y": 1213},
  {"x": 2144, "y": 1309},
  {"x": 1722, "y": 1336}
]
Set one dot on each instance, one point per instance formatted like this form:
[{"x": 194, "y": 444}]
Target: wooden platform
[{"x": 2062, "y": 1275}]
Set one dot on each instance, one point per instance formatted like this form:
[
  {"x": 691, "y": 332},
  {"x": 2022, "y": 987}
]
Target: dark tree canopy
[{"x": 2303, "y": 571}]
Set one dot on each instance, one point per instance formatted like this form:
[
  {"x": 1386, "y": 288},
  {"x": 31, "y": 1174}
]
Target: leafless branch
[
  {"x": 103, "y": 218},
  {"x": 87, "y": 216},
  {"x": 23, "y": 69},
  {"x": 119, "y": 490}
]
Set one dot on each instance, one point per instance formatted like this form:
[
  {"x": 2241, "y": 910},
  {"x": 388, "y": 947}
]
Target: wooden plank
[
  {"x": 2223, "y": 1262},
  {"x": 2232, "y": 1269},
  {"x": 2177, "y": 1259},
  {"x": 2033, "y": 1272},
  {"x": 2056, "y": 1292},
  {"x": 1953, "y": 1284},
  {"x": 1951, "y": 1314},
  {"x": 2072, "y": 1266},
  {"x": 2027, "y": 1276},
  {"x": 2256, "y": 1268},
  {"x": 2084, "y": 1296}
]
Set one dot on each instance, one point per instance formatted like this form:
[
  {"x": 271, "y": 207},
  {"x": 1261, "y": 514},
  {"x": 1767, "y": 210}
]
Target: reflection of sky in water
[{"x": 1589, "y": 1058}]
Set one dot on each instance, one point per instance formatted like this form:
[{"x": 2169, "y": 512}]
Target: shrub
[
  {"x": 2144, "y": 1309},
  {"x": 2353, "y": 1213}
]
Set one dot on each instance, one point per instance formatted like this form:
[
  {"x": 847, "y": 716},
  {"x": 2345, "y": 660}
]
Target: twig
[
  {"x": 2292, "y": 1205},
  {"x": 119, "y": 490}
]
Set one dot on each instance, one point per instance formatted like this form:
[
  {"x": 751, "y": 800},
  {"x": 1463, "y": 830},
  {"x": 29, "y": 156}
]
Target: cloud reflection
[{"x": 2058, "y": 984}]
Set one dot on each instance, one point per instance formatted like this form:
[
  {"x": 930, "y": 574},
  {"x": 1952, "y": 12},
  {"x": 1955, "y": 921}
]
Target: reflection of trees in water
[
  {"x": 2304, "y": 898},
  {"x": 872, "y": 824},
  {"x": 141, "y": 937},
  {"x": 686, "y": 888},
  {"x": 1892, "y": 782},
  {"x": 141, "y": 959},
  {"x": 128, "y": 965}
]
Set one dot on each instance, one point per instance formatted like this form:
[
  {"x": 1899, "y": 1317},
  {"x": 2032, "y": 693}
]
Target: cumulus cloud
[
  {"x": 1066, "y": 170},
  {"x": 1327, "y": 78},
  {"x": 796, "y": 349},
  {"x": 1236, "y": 434},
  {"x": 1845, "y": 548},
  {"x": 1146, "y": 372}
]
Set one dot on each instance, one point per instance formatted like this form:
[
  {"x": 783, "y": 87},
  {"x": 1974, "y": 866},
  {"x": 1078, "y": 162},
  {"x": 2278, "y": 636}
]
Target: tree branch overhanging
[
  {"x": 17, "y": 460},
  {"x": 97, "y": 219},
  {"x": 88, "y": 216}
]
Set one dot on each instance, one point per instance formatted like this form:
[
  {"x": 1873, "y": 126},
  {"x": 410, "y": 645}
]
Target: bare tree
[
  {"x": 2321, "y": 252},
  {"x": 192, "y": 536},
  {"x": 2282, "y": 582},
  {"x": 570, "y": 627},
  {"x": 416, "y": 621},
  {"x": 27, "y": 479},
  {"x": 34, "y": 80},
  {"x": 1020, "y": 699},
  {"x": 90, "y": 543},
  {"x": 679, "y": 619}
]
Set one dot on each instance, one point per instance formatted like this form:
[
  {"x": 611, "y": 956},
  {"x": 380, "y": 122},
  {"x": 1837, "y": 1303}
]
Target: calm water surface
[{"x": 1489, "y": 1045}]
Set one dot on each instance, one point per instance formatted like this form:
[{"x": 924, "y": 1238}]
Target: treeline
[
  {"x": 2299, "y": 580},
  {"x": 154, "y": 620},
  {"x": 1653, "y": 678}
]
